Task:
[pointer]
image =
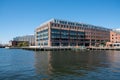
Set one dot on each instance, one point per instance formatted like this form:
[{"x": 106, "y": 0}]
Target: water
[{"x": 16, "y": 64}]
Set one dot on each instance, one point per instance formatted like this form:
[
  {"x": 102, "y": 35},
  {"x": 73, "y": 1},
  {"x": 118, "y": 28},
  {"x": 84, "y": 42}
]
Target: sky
[{"x": 22, "y": 17}]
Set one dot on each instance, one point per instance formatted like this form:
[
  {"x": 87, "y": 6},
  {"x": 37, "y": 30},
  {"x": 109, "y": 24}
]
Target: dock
[
  {"x": 103, "y": 48},
  {"x": 53, "y": 48},
  {"x": 42, "y": 48}
]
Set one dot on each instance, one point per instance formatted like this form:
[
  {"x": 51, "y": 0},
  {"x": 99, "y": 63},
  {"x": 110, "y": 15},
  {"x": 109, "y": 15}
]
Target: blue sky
[{"x": 21, "y": 17}]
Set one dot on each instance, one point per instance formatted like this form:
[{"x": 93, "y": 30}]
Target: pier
[
  {"x": 103, "y": 48},
  {"x": 53, "y": 48},
  {"x": 37, "y": 48},
  {"x": 46, "y": 48}
]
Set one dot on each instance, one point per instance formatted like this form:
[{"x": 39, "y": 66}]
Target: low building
[
  {"x": 29, "y": 38},
  {"x": 18, "y": 43},
  {"x": 114, "y": 38}
]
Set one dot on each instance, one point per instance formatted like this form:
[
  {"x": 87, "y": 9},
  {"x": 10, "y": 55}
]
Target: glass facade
[
  {"x": 42, "y": 37},
  {"x": 60, "y": 37}
]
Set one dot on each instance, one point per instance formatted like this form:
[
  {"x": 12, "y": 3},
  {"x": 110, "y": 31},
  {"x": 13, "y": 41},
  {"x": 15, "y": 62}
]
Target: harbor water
[{"x": 18, "y": 64}]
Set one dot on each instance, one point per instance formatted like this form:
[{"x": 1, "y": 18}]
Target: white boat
[{"x": 7, "y": 47}]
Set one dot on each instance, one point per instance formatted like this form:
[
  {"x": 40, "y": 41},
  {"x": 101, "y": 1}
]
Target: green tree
[
  {"x": 25, "y": 43},
  {"x": 22, "y": 44}
]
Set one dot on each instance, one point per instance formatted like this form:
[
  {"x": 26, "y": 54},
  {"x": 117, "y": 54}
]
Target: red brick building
[
  {"x": 114, "y": 39},
  {"x": 66, "y": 33}
]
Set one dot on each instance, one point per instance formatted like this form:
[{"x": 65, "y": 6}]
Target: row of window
[
  {"x": 42, "y": 39},
  {"x": 66, "y": 32},
  {"x": 116, "y": 38},
  {"x": 71, "y": 37},
  {"x": 80, "y": 39},
  {"x": 115, "y": 45},
  {"x": 77, "y": 26},
  {"x": 66, "y": 26},
  {"x": 43, "y": 31},
  {"x": 67, "y": 44},
  {"x": 43, "y": 44},
  {"x": 42, "y": 35},
  {"x": 66, "y": 35},
  {"x": 96, "y": 33},
  {"x": 115, "y": 34},
  {"x": 94, "y": 36}
]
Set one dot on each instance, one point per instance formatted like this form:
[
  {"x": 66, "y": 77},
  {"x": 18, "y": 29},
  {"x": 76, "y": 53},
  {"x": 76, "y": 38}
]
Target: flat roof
[{"x": 72, "y": 23}]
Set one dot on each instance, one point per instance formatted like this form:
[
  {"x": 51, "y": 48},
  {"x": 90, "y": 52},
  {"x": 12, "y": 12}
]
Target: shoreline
[{"x": 34, "y": 48}]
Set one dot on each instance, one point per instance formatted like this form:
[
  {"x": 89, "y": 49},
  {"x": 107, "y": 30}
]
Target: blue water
[{"x": 17, "y": 64}]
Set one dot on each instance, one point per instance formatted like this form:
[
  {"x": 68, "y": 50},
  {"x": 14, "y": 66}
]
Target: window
[
  {"x": 58, "y": 25},
  {"x": 55, "y": 25},
  {"x": 46, "y": 43}
]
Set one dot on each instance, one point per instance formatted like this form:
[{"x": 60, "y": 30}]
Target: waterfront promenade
[
  {"x": 55, "y": 48},
  {"x": 103, "y": 48},
  {"x": 39, "y": 48}
]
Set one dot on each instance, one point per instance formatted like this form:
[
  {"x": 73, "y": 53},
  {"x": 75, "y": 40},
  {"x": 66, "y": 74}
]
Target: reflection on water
[
  {"x": 77, "y": 64},
  {"x": 17, "y": 64}
]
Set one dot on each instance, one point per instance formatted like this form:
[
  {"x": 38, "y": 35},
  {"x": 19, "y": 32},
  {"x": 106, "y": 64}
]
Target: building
[
  {"x": 114, "y": 38},
  {"x": 18, "y": 43},
  {"x": 57, "y": 32},
  {"x": 29, "y": 38},
  {"x": 95, "y": 35}
]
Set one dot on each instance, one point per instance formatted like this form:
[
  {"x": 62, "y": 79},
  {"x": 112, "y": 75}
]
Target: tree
[
  {"x": 22, "y": 44},
  {"x": 25, "y": 43}
]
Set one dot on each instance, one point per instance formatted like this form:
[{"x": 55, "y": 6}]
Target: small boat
[{"x": 7, "y": 47}]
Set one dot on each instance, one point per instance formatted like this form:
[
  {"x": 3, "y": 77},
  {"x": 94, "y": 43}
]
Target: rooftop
[{"x": 72, "y": 23}]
